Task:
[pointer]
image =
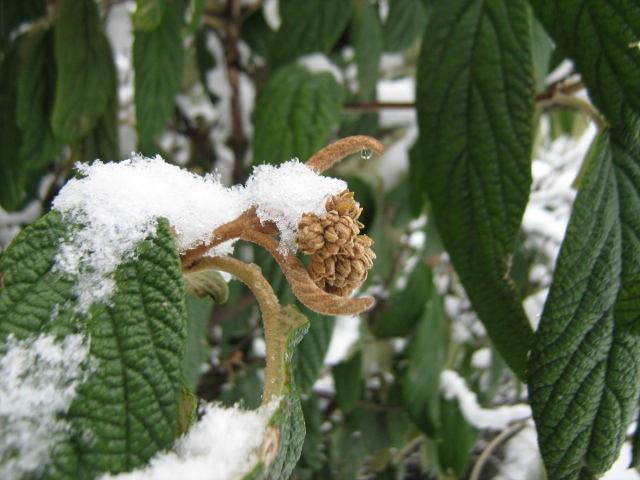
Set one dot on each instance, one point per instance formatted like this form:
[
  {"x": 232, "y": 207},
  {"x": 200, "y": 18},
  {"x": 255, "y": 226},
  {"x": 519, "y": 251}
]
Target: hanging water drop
[{"x": 366, "y": 153}]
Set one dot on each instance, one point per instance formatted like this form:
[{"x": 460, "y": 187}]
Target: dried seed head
[
  {"x": 340, "y": 256},
  {"x": 344, "y": 204}
]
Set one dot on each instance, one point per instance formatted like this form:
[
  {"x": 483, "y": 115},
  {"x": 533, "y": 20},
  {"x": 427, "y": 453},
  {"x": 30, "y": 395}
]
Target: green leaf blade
[
  {"x": 598, "y": 37},
  {"x": 127, "y": 409},
  {"x": 583, "y": 368},
  {"x": 295, "y": 114},
  {"x": 475, "y": 104},
  {"x": 158, "y": 58},
  {"x": 309, "y": 26},
  {"x": 84, "y": 63}
]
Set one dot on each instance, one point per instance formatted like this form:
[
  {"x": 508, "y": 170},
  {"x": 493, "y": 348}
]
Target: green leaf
[
  {"x": 158, "y": 58},
  {"x": 347, "y": 380},
  {"x": 366, "y": 33},
  {"x": 598, "y": 36},
  {"x": 127, "y": 408},
  {"x": 197, "y": 343},
  {"x": 584, "y": 369},
  {"x": 12, "y": 172},
  {"x": 475, "y": 105},
  {"x": 404, "y": 307},
  {"x": 404, "y": 24},
  {"x": 308, "y": 357},
  {"x": 457, "y": 438},
  {"x": 36, "y": 91},
  {"x": 295, "y": 114},
  {"x": 148, "y": 14},
  {"x": 13, "y": 14},
  {"x": 257, "y": 33},
  {"x": 424, "y": 362},
  {"x": 85, "y": 63},
  {"x": 309, "y": 26}
]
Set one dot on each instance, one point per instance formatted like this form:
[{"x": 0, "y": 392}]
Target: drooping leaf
[
  {"x": 474, "y": 96},
  {"x": 309, "y": 26},
  {"x": 84, "y": 62},
  {"x": 207, "y": 283},
  {"x": 257, "y": 33},
  {"x": 366, "y": 33},
  {"x": 346, "y": 377},
  {"x": 424, "y": 361},
  {"x": 295, "y": 114},
  {"x": 158, "y": 58},
  {"x": 127, "y": 408},
  {"x": 599, "y": 36},
  {"x": 584, "y": 368},
  {"x": 15, "y": 13},
  {"x": 404, "y": 24},
  {"x": 12, "y": 171},
  {"x": 36, "y": 90},
  {"x": 148, "y": 14}
]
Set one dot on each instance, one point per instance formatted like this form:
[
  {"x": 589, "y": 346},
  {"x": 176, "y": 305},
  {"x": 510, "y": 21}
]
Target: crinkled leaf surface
[
  {"x": 584, "y": 368},
  {"x": 474, "y": 97},
  {"x": 309, "y": 26},
  {"x": 84, "y": 63},
  {"x": 295, "y": 114},
  {"x": 598, "y": 35},
  {"x": 158, "y": 58},
  {"x": 127, "y": 409}
]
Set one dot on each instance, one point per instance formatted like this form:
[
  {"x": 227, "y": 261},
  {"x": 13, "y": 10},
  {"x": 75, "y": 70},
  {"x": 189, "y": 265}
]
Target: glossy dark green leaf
[
  {"x": 127, "y": 408},
  {"x": 295, "y": 114},
  {"x": 584, "y": 369},
  {"x": 366, "y": 38},
  {"x": 404, "y": 24},
  {"x": 598, "y": 36},
  {"x": 12, "y": 172},
  {"x": 309, "y": 26},
  {"x": 475, "y": 104},
  {"x": 84, "y": 63},
  {"x": 36, "y": 91},
  {"x": 158, "y": 58}
]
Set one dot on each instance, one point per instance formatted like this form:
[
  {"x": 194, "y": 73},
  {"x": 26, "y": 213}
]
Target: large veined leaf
[
  {"x": 125, "y": 407},
  {"x": 295, "y": 114},
  {"x": 584, "y": 368},
  {"x": 600, "y": 36},
  {"x": 84, "y": 63},
  {"x": 474, "y": 97},
  {"x": 309, "y": 26},
  {"x": 158, "y": 57}
]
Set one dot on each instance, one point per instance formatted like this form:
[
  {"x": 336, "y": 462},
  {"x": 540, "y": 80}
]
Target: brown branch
[{"x": 333, "y": 153}]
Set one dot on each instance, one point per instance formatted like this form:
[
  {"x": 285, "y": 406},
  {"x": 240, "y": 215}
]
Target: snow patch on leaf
[{"x": 38, "y": 380}]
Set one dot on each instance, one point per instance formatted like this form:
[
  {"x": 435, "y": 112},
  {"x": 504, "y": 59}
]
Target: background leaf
[
  {"x": 127, "y": 409},
  {"x": 474, "y": 97},
  {"x": 295, "y": 114},
  {"x": 158, "y": 58},
  {"x": 148, "y": 14},
  {"x": 367, "y": 40},
  {"x": 309, "y": 26},
  {"x": 404, "y": 24},
  {"x": 84, "y": 63}
]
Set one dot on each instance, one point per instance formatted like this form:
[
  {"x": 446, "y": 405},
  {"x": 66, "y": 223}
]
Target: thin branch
[{"x": 497, "y": 441}]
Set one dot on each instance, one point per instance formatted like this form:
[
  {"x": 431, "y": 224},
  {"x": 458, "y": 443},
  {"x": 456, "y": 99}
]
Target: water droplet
[{"x": 366, "y": 153}]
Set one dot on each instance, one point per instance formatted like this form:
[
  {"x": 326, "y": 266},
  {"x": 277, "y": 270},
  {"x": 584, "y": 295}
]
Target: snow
[
  {"x": 345, "y": 333},
  {"x": 38, "y": 380},
  {"x": 499, "y": 418},
  {"x": 224, "y": 445},
  {"x": 119, "y": 204}
]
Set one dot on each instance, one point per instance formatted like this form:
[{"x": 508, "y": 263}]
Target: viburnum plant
[{"x": 68, "y": 276}]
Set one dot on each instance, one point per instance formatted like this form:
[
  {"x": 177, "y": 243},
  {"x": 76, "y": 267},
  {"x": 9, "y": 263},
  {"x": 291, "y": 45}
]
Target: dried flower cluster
[{"x": 340, "y": 256}]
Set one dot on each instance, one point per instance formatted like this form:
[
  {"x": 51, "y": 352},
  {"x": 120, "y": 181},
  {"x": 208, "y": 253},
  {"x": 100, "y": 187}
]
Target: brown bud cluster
[{"x": 340, "y": 256}]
